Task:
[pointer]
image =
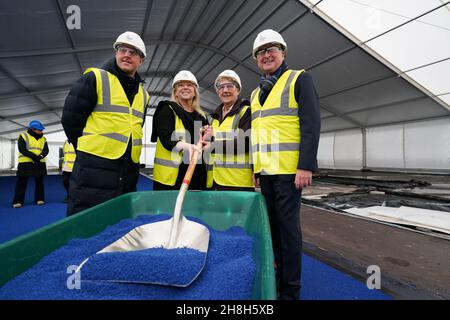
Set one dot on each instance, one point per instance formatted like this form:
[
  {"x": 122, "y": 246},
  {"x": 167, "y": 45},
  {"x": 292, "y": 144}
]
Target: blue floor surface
[
  {"x": 322, "y": 282},
  {"x": 319, "y": 281},
  {"x": 229, "y": 253},
  {"x": 16, "y": 222}
]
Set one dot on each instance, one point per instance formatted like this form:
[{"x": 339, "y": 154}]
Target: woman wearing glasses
[
  {"x": 229, "y": 164},
  {"x": 176, "y": 126}
]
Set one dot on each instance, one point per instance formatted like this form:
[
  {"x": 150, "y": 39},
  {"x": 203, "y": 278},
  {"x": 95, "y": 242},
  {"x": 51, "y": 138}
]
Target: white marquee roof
[{"x": 374, "y": 62}]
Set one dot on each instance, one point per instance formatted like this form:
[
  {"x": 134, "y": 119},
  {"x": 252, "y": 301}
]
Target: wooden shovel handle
[
  {"x": 192, "y": 163},
  {"x": 180, "y": 198}
]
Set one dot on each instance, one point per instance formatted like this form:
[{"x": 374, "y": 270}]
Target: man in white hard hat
[
  {"x": 103, "y": 117},
  {"x": 285, "y": 138}
]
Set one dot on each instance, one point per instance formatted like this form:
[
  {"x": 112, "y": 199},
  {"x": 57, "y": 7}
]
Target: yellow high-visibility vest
[
  {"x": 32, "y": 145},
  {"x": 167, "y": 162},
  {"x": 113, "y": 121},
  {"x": 229, "y": 169},
  {"x": 69, "y": 157},
  {"x": 276, "y": 128}
]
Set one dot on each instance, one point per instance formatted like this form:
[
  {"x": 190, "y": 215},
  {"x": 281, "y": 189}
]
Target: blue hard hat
[{"x": 36, "y": 125}]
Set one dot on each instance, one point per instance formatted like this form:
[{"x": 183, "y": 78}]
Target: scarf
[{"x": 267, "y": 83}]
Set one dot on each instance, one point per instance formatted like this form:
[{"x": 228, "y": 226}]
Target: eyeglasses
[
  {"x": 132, "y": 52},
  {"x": 222, "y": 86},
  {"x": 270, "y": 50},
  {"x": 184, "y": 84}
]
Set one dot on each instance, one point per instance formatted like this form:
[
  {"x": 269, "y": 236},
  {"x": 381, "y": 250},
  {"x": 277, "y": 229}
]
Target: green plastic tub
[{"x": 221, "y": 210}]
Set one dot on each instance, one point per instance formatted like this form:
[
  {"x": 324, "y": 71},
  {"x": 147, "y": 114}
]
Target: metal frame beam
[
  {"x": 69, "y": 37},
  {"x": 25, "y": 89},
  {"x": 363, "y": 46}
]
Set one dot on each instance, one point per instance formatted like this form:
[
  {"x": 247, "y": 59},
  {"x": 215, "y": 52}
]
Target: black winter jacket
[
  {"x": 35, "y": 168},
  {"x": 164, "y": 126},
  {"x": 82, "y": 99},
  {"x": 95, "y": 179}
]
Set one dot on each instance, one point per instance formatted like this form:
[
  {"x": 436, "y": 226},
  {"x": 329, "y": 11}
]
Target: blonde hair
[{"x": 195, "y": 101}]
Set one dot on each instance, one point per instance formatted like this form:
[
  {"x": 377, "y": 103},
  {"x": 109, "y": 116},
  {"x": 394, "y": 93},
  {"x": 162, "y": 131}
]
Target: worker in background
[
  {"x": 33, "y": 149},
  {"x": 230, "y": 167},
  {"x": 103, "y": 117},
  {"x": 67, "y": 167},
  {"x": 285, "y": 138},
  {"x": 177, "y": 125}
]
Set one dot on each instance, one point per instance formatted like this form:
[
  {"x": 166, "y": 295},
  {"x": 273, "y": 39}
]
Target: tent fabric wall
[
  {"x": 148, "y": 148},
  {"x": 385, "y": 147},
  {"x": 5, "y": 154},
  {"x": 148, "y": 154},
  {"x": 53, "y": 154},
  {"x": 345, "y": 157},
  {"x": 325, "y": 154},
  {"x": 427, "y": 145},
  {"x": 414, "y": 146},
  {"x": 341, "y": 150},
  {"x": 418, "y": 146}
]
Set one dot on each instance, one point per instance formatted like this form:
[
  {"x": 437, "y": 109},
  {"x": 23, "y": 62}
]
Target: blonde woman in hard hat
[
  {"x": 229, "y": 166},
  {"x": 176, "y": 130},
  {"x": 103, "y": 117},
  {"x": 285, "y": 139}
]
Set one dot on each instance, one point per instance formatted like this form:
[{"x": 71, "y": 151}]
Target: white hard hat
[
  {"x": 229, "y": 74},
  {"x": 268, "y": 36},
  {"x": 184, "y": 75},
  {"x": 133, "y": 39}
]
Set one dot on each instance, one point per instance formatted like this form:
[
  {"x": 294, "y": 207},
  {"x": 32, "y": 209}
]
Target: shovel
[{"x": 177, "y": 236}]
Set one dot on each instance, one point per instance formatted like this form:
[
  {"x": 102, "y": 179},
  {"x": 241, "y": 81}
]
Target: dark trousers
[
  {"x": 21, "y": 188},
  {"x": 66, "y": 180},
  {"x": 283, "y": 204}
]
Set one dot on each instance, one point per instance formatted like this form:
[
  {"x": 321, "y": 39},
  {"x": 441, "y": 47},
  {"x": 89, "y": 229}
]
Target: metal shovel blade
[
  {"x": 143, "y": 255},
  {"x": 171, "y": 252},
  {"x": 154, "y": 235}
]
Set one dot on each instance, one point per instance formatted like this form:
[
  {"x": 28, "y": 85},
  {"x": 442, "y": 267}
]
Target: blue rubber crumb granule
[
  {"x": 156, "y": 265},
  {"x": 228, "y": 273}
]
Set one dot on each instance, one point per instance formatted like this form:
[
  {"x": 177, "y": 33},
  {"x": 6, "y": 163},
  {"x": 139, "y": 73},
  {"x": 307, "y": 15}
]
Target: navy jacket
[{"x": 309, "y": 113}]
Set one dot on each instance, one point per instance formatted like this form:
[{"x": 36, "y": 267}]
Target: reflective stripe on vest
[
  {"x": 229, "y": 169},
  {"x": 276, "y": 128},
  {"x": 166, "y": 162},
  {"x": 32, "y": 145},
  {"x": 69, "y": 157},
  {"x": 113, "y": 122}
]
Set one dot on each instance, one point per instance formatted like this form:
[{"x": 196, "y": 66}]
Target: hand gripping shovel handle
[{"x": 180, "y": 198}]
